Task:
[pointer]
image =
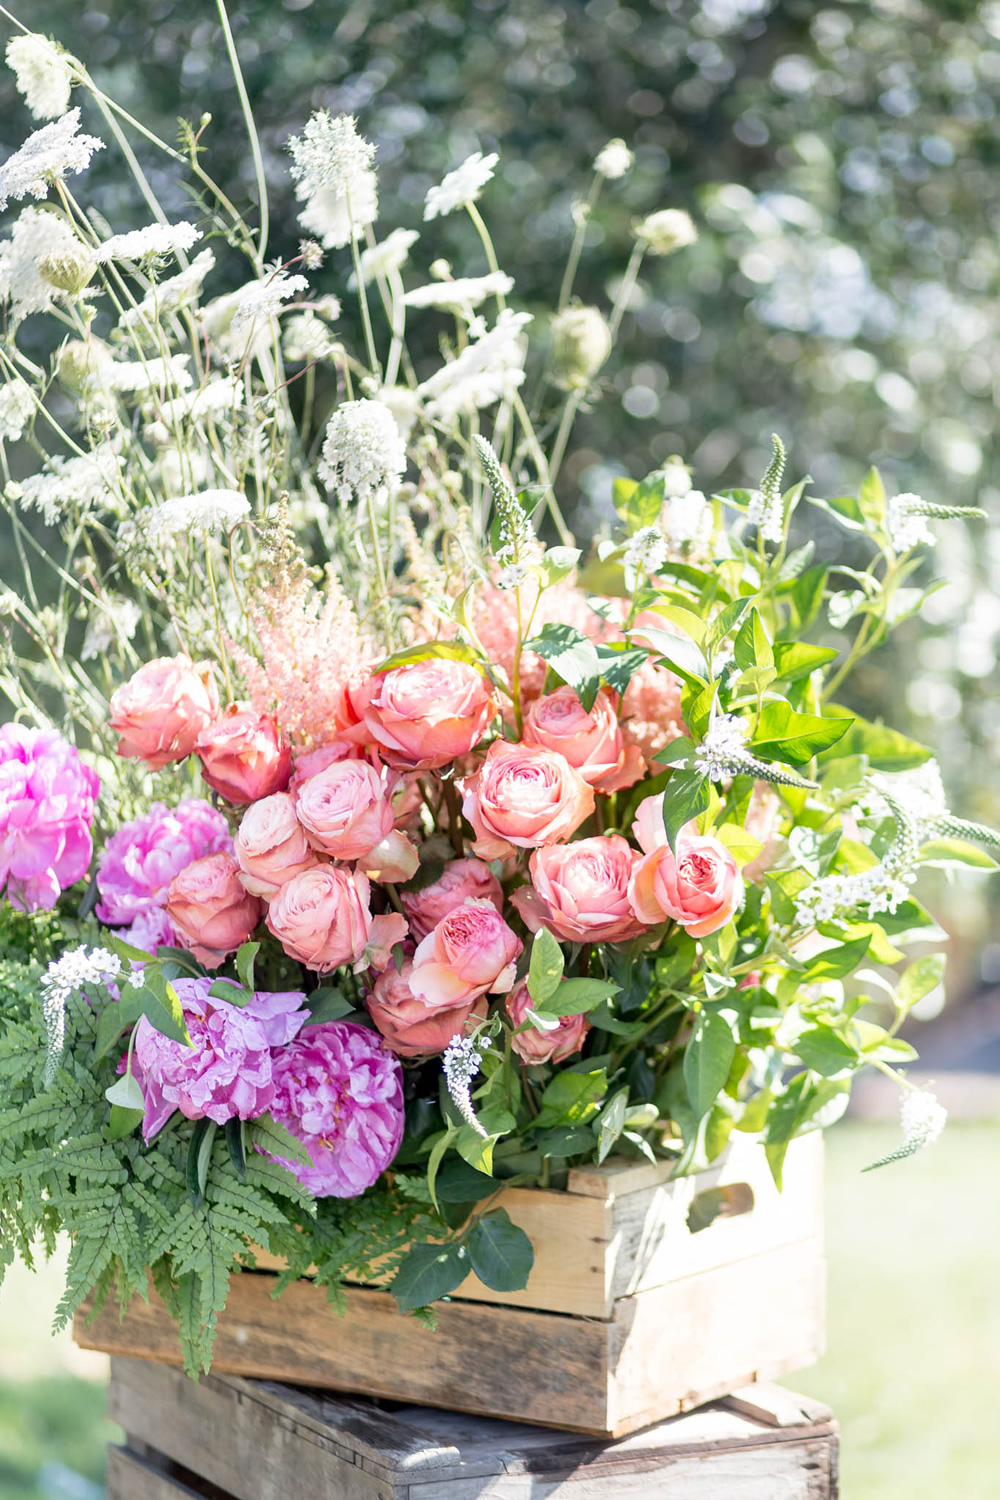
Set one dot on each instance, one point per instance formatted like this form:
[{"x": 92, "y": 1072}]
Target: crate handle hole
[{"x": 719, "y": 1203}]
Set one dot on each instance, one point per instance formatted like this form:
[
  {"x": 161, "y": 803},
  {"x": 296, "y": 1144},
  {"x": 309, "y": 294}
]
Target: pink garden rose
[
  {"x": 160, "y": 712},
  {"x": 469, "y": 952},
  {"x": 392, "y": 861},
  {"x": 460, "y": 879},
  {"x": 699, "y": 888},
  {"x": 47, "y": 799},
  {"x": 211, "y": 911},
  {"x": 243, "y": 756},
  {"x": 524, "y": 796},
  {"x": 271, "y": 846},
  {"x": 426, "y": 715},
  {"x": 346, "y": 809},
  {"x": 534, "y": 1046},
  {"x": 340, "y": 1092},
  {"x": 591, "y": 742},
  {"x": 413, "y": 1027},
  {"x": 323, "y": 919},
  {"x": 579, "y": 891},
  {"x": 139, "y": 861},
  {"x": 310, "y": 762},
  {"x": 226, "y": 1073}
]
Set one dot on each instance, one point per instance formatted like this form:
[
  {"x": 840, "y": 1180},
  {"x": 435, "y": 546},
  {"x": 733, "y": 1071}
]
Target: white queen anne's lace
[
  {"x": 47, "y": 156},
  {"x": 461, "y": 186},
  {"x": 614, "y": 160},
  {"x": 155, "y": 239},
  {"x": 363, "y": 454},
  {"x": 329, "y": 154},
  {"x": 16, "y": 407},
  {"x": 37, "y": 237},
  {"x": 461, "y": 295},
  {"x": 489, "y": 368},
  {"x": 41, "y": 73},
  {"x": 208, "y": 510},
  {"x": 262, "y": 299}
]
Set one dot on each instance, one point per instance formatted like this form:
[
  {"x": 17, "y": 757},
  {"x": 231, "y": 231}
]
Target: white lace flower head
[
  {"x": 42, "y": 74},
  {"x": 461, "y": 186},
  {"x": 47, "y": 156},
  {"x": 363, "y": 454}
]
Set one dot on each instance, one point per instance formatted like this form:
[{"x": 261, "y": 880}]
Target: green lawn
[{"x": 913, "y": 1369}]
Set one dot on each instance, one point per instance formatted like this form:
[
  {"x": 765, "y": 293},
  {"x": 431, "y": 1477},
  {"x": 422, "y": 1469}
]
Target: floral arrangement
[{"x": 362, "y": 854}]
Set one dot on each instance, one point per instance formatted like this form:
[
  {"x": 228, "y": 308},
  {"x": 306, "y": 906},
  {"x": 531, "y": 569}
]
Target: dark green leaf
[
  {"x": 572, "y": 997},
  {"x": 244, "y": 963},
  {"x": 327, "y": 1004},
  {"x": 570, "y": 1098},
  {"x": 566, "y": 1140},
  {"x": 687, "y": 794},
  {"x": 500, "y": 1252},
  {"x": 123, "y": 1122},
  {"x": 611, "y": 1123},
  {"x": 782, "y": 734},
  {"x": 572, "y": 657},
  {"x": 156, "y": 999},
  {"x": 824, "y": 1050},
  {"x": 236, "y": 1145},
  {"x": 806, "y": 597},
  {"x": 707, "y": 1060},
  {"x": 429, "y": 1272},
  {"x": 457, "y": 1182},
  {"x": 198, "y": 1159},
  {"x": 230, "y": 991},
  {"x": 111, "y": 1024}
]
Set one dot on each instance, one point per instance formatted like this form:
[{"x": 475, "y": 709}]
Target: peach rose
[
  {"x": 699, "y": 888},
  {"x": 210, "y": 908},
  {"x": 470, "y": 951},
  {"x": 271, "y": 846},
  {"x": 534, "y": 1046},
  {"x": 524, "y": 796},
  {"x": 423, "y": 716},
  {"x": 345, "y": 809},
  {"x": 322, "y": 917},
  {"x": 591, "y": 742},
  {"x": 461, "y": 879},
  {"x": 160, "y": 712},
  {"x": 243, "y": 756},
  {"x": 413, "y": 1027},
  {"x": 393, "y": 861},
  {"x": 579, "y": 891},
  {"x": 310, "y": 762}
]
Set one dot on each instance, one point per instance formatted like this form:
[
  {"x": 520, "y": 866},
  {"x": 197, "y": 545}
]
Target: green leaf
[
  {"x": 806, "y": 597},
  {"x": 571, "y": 1098},
  {"x": 619, "y": 664},
  {"x": 836, "y": 962},
  {"x": 428, "y": 1272},
  {"x": 726, "y": 621},
  {"x": 783, "y": 734},
  {"x": 742, "y": 845},
  {"x": 813, "y": 850},
  {"x": 919, "y": 979},
  {"x": 824, "y": 1050},
  {"x": 846, "y": 508},
  {"x": 871, "y": 500},
  {"x": 566, "y": 1140},
  {"x": 425, "y": 651},
  {"x": 611, "y": 1123},
  {"x": 327, "y": 1004},
  {"x": 123, "y": 1122},
  {"x": 236, "y": 1146},
  {"x": 693, "y": 626},
  {"x": 457, "y": 1182},
  {"x": 545, "y": 968},
  {"x": 687, "y": 794},
  {"x": 126, "y": 1093},
  {"x": 707, "y": 1060},
  {"x": 795, "y": 660},
  {"x": 198, "y": 1160},
  {"x": 572, "y": 657},
  {"x": 558, "y": 563},
  {"x": 244, "y": 963},
  {"x": 752, "y": 647},
  {"x": 943, "y": 853},
  {"x": 155, "y": 998},
  {"x": 230, "y": 991},
  {"x": 886, "y": 749},
  {"x": 111, "y": 1024},
  {"x": 500, "y": 1251},
  {"x": 572, "y": 997},
  {"x": 638, "y": 503}
]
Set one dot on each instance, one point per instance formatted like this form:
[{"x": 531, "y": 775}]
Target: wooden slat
[{"x": 131, "y": 1477}]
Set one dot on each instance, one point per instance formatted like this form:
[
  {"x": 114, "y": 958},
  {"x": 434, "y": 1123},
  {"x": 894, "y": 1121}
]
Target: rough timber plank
[{"x": 132, "y": 1478}]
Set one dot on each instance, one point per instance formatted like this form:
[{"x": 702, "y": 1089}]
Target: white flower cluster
[
  {"x": 922, "y": 1117},
  {"x": 461, "y": 186},
  {"x": 882, "y": 888},
  {"x": 38, "y": 238},
  {"x": 263, "y": 298},
  {"x": 490, "y": 368},
  {"x": 907, "y": 530},
  {"x": 41, "y": 73},
  {"x": 17, "y": 405},
  {"x": 117, "y": 619},
  {"x": 208, "y": 510},
  {"x": 154, "y": 239},
  {"x": 305, "y": 336},
  {"x": 332, "y": 167},
  {"x": 48, "y": 155},
  {"x": 388, "y": 257},
  {"x": 614, "y": 160},
  {"x": 83, "y": 482},
  {"x": 646, "y": 552},
  {"x": 461, "y": 1062},
  {"x": 167, "y": 296},
  {"x": 687, "y": 521},
  {"x": 723, "y": 750},
  {"x": 77, "y": 970},
  {"x": 462, "y": 295},
  {"x": 363, "y": 454},
  {"x": 665, "y": 231},
  {"x": 919, "y": 793}
]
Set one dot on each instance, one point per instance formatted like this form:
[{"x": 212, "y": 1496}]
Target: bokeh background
[{"x": 843, "y": 165}]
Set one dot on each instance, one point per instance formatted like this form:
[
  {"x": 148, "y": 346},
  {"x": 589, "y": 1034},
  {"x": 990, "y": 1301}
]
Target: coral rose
[
  {"x": 425, "y": 715},
  {"x": 699, "y": 888},
  {"x": 160, "y": 712},
  {"x": 210, "y": 909},
  {"x": 310, "y": 762},
  {"x": 470, "y": 951},
  {"x": 271, "y": 845},
  {"x": 534, "y": 1046},
  {"x": 346, "y": 808},
  {"x": 579, "y": 891},
  {"x": 524, "y": 796},
  {"x": 413, "y": 1027},
  {"x": 243, "y": 756},
  {"x": 591, "y": 742},
  {"x": 460, "y": 879},
  {"x": 323, "y": 919}
]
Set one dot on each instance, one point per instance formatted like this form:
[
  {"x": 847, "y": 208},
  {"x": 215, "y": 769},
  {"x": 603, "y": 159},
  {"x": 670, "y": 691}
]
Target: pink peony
[
  {"x": 271, "y": 845},
  {"x": 651, "y": 710},
  {"x": 413, "y": 1027},
  {"x": 244, "y": 756},
  {"x": 470, "y": 951},
  {"x": 340, "y": 1092},
  {"x": 524, "y": 795},
  {"x": 47, "y": 798},
  {"x": 424, "y": 716},
  {"x": 460, "y": 879},
  {"x": 591, "y": 742},
  {"x": 210, "y": 909},
  {"x": 579, "y": 891},
  {"x": 141, "y": 859},
  {"x": 346, "y": 809},
  {"x": 534, "y": 1046},
  {"x": 699, "y": 888},
  {"x": 160, "y": 712},
  {"x": 322, "y": 918},
  {"x": 227, "y": 1071}
]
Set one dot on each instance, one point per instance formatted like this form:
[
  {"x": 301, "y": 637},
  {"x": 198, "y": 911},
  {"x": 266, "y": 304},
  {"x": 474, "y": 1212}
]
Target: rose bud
[
  {"x": 393, "y": 861},
  {"x": 322, "y": 917},
  {"x": 699, "y": 888},
  {"x": 242, "y": 755},
  {"x": 524, "y": 796},
  {"x": 425, "y": 715},
  {"x": 210, "y": 908},
  {"x": 579, "y": 891},
  {"x": 470, "y": 951},
  {"x": 460, "y": 879},
  {"x": 345, "y": 809},
  {"x": 591, "y": 742},
  {"x": 534, "y": 1046},
  {"x": 271, "y": 846},
  {"x": 160, "y": 712},
  {"x": 414, "y": 1027}
]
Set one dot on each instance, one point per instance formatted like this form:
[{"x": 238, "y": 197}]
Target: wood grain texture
[{"x": 131, "y": 1477}]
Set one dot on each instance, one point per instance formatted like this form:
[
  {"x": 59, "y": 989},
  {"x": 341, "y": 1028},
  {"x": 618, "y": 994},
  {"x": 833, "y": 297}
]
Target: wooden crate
[
  {"x": 234, "y": 1439},
  {"x": 629, "y": 1316}
]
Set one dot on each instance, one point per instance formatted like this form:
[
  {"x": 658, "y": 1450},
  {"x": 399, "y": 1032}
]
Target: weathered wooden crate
[
  {"x": 234, "y": 1439},
  {"x": 631, "y": 1314}
]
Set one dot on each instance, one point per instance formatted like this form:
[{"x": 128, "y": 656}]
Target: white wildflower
[
  {"x": 176, "y": 291},
  {"x": 77, "y": 970},
  {"x": 687, "y": 520},
  {"x": 461, "y": 1062},
  {"x": 10, "y": 603},
  {"x": 676, "y": 475},
  {"x": 212, "y": 400},
  {"x": 724, "y": 746},
  {"x": 311, "y": 254},
  {"x": 47, "y": 156},
  {"x": 304, "y": 336},
  {"x": 646, "y": 552},
  {"x": 329, "y": 155},
  {"x": 363, "y": 454},
  {"x": 155, "y": 239},
  {"x": 461, "y": 295},
  {"x": 614, "y": 159},
  {"x": 17, "y": 405},
  {"x": 38, "y": 237},
  {"x": 142, "y": 375},
  {"x": 262, "y": 299},
  {"x": 461, "y": 186},
  {"x": 581, "y": 342},
  {"x": 403, "y": 403},
  {"x": 208, "y": 510},
  {"x": 882, "y": 888},
  {"x": 388, "y": 257},
  {"x": 82, "y": 483},
  {"x": 919, "y": 793},
  {"x": 922, "y": 1118},
  {"x": 665, "y": 231},
  {"x": 907, "y": 530},
  {"x": 215, "y": 321},
  {"x": 338, "y": 218},
  {"x": 513, "y": 575},
  {"x": 766, "y": 509},
  {"x": 42, "y": 74},
  {"x": 116, "y": 620},
  {"x": 489, "y": 369}
]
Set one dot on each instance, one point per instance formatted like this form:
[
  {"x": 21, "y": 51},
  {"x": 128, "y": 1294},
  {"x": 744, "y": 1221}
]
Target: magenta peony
[
  {"x": 141, "y": 859},
  {"x": 340, "y": 1092},
  {"x": 227, "y": 1072},
  {"x": 47, "y": 798}
]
